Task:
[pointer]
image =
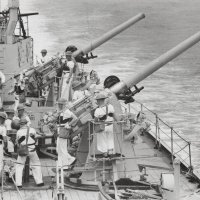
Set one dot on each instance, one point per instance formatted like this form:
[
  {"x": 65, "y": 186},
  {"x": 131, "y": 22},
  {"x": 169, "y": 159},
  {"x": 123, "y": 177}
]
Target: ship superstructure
[{"x": 16, "y": 49}]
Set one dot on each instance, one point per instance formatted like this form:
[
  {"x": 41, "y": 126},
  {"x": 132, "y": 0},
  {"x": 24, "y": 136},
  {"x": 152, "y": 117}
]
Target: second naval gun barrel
[
  {"x": 156, "y": 64},
  {"x": 110, "y": 34},
  {"x": 99, "y": 41}
]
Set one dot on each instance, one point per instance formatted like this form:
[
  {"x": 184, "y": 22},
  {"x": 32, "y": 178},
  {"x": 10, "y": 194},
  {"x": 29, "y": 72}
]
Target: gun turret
[
  {"x": 156, "y": 64},
  {"x": 107, "y": 36}
]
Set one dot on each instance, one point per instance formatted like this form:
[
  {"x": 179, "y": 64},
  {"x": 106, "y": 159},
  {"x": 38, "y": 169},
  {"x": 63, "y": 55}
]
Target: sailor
[
  {"x": 79, "y": 90},
  {"x": 67, "y": 92},
  {"x": 93, "y": 82},
  {"x": 66, "y": 121},
  {"x": 94, "y": 77},
  {"x": 10, "y": 134},
  {"x": 18, "y": 89},
  {"x": 2, "y": 81},
  {"x": 104, "y": 115},
  {"x": 141, "y": 121},
  {"x": 3, "y": 138},
  {"x": 73, "y": 66},
  {"x": 43, "y": 58},
  {"x": 26, "y": 135},
  {"x": 21, "y": 113}
]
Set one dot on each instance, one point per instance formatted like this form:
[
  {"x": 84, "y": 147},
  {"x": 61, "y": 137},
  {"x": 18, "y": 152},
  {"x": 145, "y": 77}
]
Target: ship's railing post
[
  {"x": 89, "y": 148},
  {"x": 156, "y": 139},
  {"x": 158, "y": 130},
  {"x": 190, "y": 156},
  {"x": 94, "y": 142},
  {"x": 172, "y": 145}
]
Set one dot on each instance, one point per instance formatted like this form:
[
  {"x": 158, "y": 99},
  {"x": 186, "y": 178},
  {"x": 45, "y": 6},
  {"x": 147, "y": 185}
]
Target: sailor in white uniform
[
  {"x": 10, "y": 113},
  {"x": 43, "y": 58},
  {"x": 22, "y": 114},
  {"x": 105, "y": 114},
  {"x": 66, "y": 120},
  {"x": 67, "y": 92},
  {"x": 3, "y": 139},
  {"x": 18, "y": 89},
  {"x": 79, "y": 91},
  {"x": 35, "y": 165},
  {"x": 94, "y": 81}
]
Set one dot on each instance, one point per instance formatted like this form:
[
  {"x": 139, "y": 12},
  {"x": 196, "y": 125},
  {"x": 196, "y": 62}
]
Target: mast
[{"x": 13, "y": 18}]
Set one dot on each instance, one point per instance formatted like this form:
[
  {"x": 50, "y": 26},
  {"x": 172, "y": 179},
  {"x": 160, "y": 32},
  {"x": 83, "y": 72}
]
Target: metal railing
[{"x": 164, "y": 134}]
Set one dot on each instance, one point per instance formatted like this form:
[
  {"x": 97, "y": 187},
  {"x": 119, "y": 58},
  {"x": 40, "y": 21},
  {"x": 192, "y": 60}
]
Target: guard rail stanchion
[
  {"x": 172, "y": 145},
  {"x": 190, "y": 157},
  {"x": 156, "y": 139},
  {"x": 159, "y": 140},
  {"x": 94, "y": 142},
  {"x": 89, "y": 138}
]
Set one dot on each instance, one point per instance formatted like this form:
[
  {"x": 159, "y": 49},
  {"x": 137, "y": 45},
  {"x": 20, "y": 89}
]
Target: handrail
[
  {"x": 161, "y": 120},
  {"x": 171, "y": 144}
]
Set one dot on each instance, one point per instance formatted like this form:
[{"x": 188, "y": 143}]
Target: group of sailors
[
  {"x": 69, "y": 74},
  {"x": 15, "y": 131},
  {"x": 73, "y": 90},
  {"x": 104, "y": 114}
]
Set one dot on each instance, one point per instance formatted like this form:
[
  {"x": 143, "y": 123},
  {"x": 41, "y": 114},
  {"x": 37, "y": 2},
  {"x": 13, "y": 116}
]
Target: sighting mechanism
[
  {"x": 127, "y": 95},
  {"x": 91, "y": 56},
  {"x": 80, "y": 58}
]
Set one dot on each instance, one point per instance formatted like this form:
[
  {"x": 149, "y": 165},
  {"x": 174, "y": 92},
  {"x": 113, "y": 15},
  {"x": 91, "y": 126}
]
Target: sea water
[{"x": 173, "y": 91}]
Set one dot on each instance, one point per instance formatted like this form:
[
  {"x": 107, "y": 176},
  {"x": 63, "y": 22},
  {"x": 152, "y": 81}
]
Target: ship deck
[
  {"x": 156, "y": 162},
  {"x": 144, "y": 153},
  {"x": 47, "y": 192},
  {"x": 48, "y": 195}
]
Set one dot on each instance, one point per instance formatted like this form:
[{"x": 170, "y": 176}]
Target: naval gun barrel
[
  {"x": 156, "y": 64},
  {"x": 110, "y": 34}
]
